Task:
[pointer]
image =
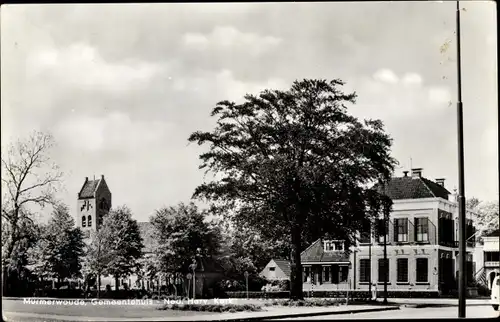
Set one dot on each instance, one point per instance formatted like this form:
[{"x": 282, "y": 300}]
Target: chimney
[
  {"x": 416, "y": 173},
  {"x": 102, "y": 176},
  {"x": 440, "y": 182},
  {"x": 86, "y": 179},
  {"x": 405, "y": 173}
]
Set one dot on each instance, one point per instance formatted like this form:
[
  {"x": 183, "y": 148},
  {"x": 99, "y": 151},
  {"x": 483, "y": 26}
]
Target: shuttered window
[
  {"x": 421, "y": 229},
  {"x": 401, "y": 230}
]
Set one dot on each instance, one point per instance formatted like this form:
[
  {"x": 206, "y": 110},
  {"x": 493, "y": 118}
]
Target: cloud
[
  {"x": 223, "y": 85},
  {"x": 80, "y": 65},
  {"x": 386, "y": 76},
  {"x": 412, "y": 79},
  {"x": 230, "y": 38},
  {"x": 116, "y": 131},
  {"x": 439, "y": 95}
]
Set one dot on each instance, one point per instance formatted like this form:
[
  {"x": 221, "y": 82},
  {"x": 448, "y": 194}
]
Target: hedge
[{"x": 334, "y": 294}]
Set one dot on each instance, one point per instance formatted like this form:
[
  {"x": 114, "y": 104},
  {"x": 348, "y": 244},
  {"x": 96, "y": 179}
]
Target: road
[
  {"x": 13, "y": 310},
  {"x": 483, "y": 311}
]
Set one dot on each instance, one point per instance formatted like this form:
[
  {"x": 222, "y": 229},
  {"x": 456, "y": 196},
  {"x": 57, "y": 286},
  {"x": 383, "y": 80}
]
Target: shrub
[{"x": 213, "y": 307}]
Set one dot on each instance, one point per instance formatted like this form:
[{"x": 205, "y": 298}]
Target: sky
[{"x": 122, "y": 86}]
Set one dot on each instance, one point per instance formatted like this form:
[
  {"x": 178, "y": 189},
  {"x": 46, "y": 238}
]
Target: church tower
[{"x": 94, "y": 201}]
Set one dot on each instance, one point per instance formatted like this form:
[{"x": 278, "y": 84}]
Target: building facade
[
  {"x": 94, "y": 202},
  {"x": 491, "y": 254},
  {"x": 276, "y": 270},
  {"x": 422, "y": 246}
]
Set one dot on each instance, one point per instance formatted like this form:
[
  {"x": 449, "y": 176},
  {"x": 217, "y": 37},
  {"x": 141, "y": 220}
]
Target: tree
[
  {"x": 18, "y": 268},
  {"x": 294, "y": 165},
  {"x": 245, "y": 245},
  {"x": 487, "y": 215},
  {"x": 60, "y": 249},
  {"x": 24, "y": 184},
  {"x": 97, "y": 257},
  {"x": 121, "y": 235},
  {"x": 181, "y": 233}
]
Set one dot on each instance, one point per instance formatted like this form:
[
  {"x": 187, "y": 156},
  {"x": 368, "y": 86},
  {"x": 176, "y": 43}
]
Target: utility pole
[{"x": 462, "y": 286}]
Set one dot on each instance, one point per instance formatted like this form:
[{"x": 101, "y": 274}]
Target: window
[
  {"x": 306, "y": 274},
  {"x": 491, "y": 256},
  {"x": 333, "y": 245},
  {"x": 422, "y": 270},
  {"x": 381, "y": 230},
  {"x": 421, "y": 229},
  {"x": 272, "y": 269},
  {"x": 364, "y": 270},
  {"x": 326, "y": 272},
  {"x": 401, "y": 230},
  {"x": 89, "y": 221},
  {"x": 402, "y": 270},
  {"x": 364, "y": 234},
  {"x": 83, "y": 221},
  {"x": 383, "y": 270},
  {"x": 344, "y": 271}
]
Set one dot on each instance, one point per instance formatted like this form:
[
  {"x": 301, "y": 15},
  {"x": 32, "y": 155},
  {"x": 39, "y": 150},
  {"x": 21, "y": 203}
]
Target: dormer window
[{"x": 333, "y": 245}]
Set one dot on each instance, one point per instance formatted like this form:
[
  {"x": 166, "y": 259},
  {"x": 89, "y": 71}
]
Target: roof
[
  {"x": 316, "y": 253},
  {"x": 495, "y": 233},
  {"x": 413, "y": 188},
  {"x": 284, "y": 265},
  {"x": 89, "y": 188},
  {"x": 146, "y": 228}
]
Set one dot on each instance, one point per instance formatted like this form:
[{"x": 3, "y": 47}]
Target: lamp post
[
  {"x": 246, "y": 279},
  {"x": 461, "y": 186},
  {"x": 193, "y": 267},
  {"x": 189, "y": 276}
]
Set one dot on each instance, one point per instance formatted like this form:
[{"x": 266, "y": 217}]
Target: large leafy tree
[
  {"x": 294, "y": 165},
  {"x": 28, "y": 178},
  {"x": 182, "y": 232},
  {"x": 59, "y": 251},
  {"x": 487, "y": 215},
  {"x": 123, "y": 242}
]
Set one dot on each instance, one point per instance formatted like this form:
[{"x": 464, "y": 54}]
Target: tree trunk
[
  {"x": 98, "y": 285},
  {"x": 116, "y": 282},
  {"x": 296, "y": 269}
]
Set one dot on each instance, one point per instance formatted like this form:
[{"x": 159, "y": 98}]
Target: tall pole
[
  {"x": 461, "y": 187},
  {"x": 386, "y": 272},
  {"x": 370, "y": 263}
]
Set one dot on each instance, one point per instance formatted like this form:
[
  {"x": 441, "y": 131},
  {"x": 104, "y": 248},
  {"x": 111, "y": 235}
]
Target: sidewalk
[
  {"x": 437, "y": 301},
  {"x": 269, "y": 313}
]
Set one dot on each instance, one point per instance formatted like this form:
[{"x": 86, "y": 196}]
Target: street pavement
[
  {"x": 17, "y": 310},
  {"x": 449, "y": 312}
]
